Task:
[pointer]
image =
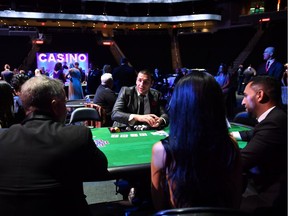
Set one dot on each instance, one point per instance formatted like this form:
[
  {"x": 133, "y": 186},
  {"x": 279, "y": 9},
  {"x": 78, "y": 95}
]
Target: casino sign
[{"x": 48, "y": 60}]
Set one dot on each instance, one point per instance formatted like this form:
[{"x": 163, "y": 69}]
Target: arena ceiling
[{"x": 111, "y": 14}]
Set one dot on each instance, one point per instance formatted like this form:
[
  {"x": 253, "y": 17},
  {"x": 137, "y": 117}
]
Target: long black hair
[{"x": 201, "y": 149}]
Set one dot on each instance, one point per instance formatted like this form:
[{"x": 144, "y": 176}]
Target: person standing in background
[
  {"x": 6, "y": 105},
  {"x": 124, "y": 75},
  {"x": 240, "y": 79},
  {"x": 93, "y": 79},
  {"x": 284, "y": 79},
  {"x": 248, "y": 73},
  {"x": 223, "y": 79},
  {"x": 7, "y": 74},
  {"x": 17, "y": 81},
  {"x": 75, "y": 90},
  {"x": 107, "y": 69},
  {"x": 83, "y": 75},
  {"x": 159, "y": 81},
  {"x": 58, "y": 72},
  {"x": 65, "y": 68},
  {"x": 271, "y": 67},
  {"x": 231, "y": 102}
]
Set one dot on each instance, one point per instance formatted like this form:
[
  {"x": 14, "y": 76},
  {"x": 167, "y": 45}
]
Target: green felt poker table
[{"x": 130, "y": 152}]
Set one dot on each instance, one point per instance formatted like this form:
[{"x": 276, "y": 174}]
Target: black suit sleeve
[
  {"x": 94, "y": 162},
  {"x": 120, "y": 112},
  {"x": 163, "y": 113},
  {"x": 268, "y": 144},
  {"x": 246, "y": 135}
]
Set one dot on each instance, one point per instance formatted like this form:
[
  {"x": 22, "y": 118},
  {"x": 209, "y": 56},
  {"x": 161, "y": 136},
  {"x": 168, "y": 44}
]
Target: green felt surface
[
  {"x": 236, "y": 127},
  {"x": 130, "y": 148}
]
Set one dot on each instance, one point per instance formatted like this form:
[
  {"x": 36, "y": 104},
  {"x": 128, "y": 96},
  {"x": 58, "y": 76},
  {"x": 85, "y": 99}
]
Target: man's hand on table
[{"x": 151, "y": 119}]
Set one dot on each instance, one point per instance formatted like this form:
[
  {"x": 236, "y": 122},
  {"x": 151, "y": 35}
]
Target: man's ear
[
  {"x": 262, "y": 97},
  {"x": 54, "y": 107}
]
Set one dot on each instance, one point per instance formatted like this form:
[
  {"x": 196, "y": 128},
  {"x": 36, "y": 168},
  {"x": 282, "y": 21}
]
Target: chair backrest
[
  {"x": 244, "y": 118},
  {"x": 90, "y": 97},
  {"x": 202, "y": 211},
  {"x": 84, "y": 114},
  {"x": 102, "y": 114}
]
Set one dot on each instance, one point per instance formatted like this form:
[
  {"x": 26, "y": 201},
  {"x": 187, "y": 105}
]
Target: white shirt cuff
[
  {"x": 236, "y": 135},
  {"x": 131, "y": 120}
]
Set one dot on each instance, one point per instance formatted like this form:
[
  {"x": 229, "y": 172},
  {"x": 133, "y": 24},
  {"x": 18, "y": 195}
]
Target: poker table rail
[
  {"x": 76, "y": 103},
  {"x": 129, "y": 153}
]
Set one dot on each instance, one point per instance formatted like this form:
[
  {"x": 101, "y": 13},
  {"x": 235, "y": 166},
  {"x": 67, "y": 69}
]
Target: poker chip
[
  {"x": 115, "y": 130},
  {"x": 140, "y": 127},
  {"x": 112, "y": 130},
  {"x": 127, "y": 129}
]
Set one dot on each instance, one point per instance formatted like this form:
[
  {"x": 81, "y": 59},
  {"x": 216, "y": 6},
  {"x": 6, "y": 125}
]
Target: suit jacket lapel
[
  {"x": 135, "y": 100},
  {"x": 152, "y": 102}
]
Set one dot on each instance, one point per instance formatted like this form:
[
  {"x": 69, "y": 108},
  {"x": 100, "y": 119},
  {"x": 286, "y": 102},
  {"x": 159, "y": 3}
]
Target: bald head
[
  {"x": 268, "y": 53},
  {"x": 44, "y": 94}
]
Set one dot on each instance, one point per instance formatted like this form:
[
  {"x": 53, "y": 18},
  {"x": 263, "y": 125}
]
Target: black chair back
[{"x": 84, "y": 114}]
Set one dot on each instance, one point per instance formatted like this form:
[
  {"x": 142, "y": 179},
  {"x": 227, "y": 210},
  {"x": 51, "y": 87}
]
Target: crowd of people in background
[{"x": 231, "y": 82}]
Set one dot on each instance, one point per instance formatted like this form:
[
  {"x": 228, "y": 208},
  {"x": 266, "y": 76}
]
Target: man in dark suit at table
[
  {"x": 44, "y": 163},
  {"x": 264, "y": 158},
  {"x": 271, "y": 67},
  {"x": 106, "y": 97},
  {"x": 128, "y": 109}
]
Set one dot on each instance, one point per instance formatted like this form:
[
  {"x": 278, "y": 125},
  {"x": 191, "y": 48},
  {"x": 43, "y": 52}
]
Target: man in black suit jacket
[
  {"x": 265, "y": 156},
  {"x": 124, "y": 75},
  {"x": 271, "y": 67},
  {"x": 93, "y": 79},
  {"x": 126, "y": 111},
  {"x": 44, "y": 163},
  {"x": 7, "y": 74},
  {"x": 106, "y": 97}
]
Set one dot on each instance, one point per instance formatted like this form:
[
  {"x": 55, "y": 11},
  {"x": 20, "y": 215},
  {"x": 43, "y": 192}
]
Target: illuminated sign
[
  {"x": 48, "y": 60},
  {"x": 264, "y": 20},
  {"x": 107, "y": 43},
  {"x": 38, "y": 41}
]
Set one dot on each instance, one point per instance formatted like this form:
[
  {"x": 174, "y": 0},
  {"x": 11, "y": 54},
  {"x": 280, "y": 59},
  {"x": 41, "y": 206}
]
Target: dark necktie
[
  {"x": 141, "y": 110},
  {"x": 267, "y": 66}
]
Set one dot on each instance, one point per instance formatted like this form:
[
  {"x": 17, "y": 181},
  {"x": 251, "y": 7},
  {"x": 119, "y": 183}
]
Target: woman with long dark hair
[{"x": 199, "y": 163}]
